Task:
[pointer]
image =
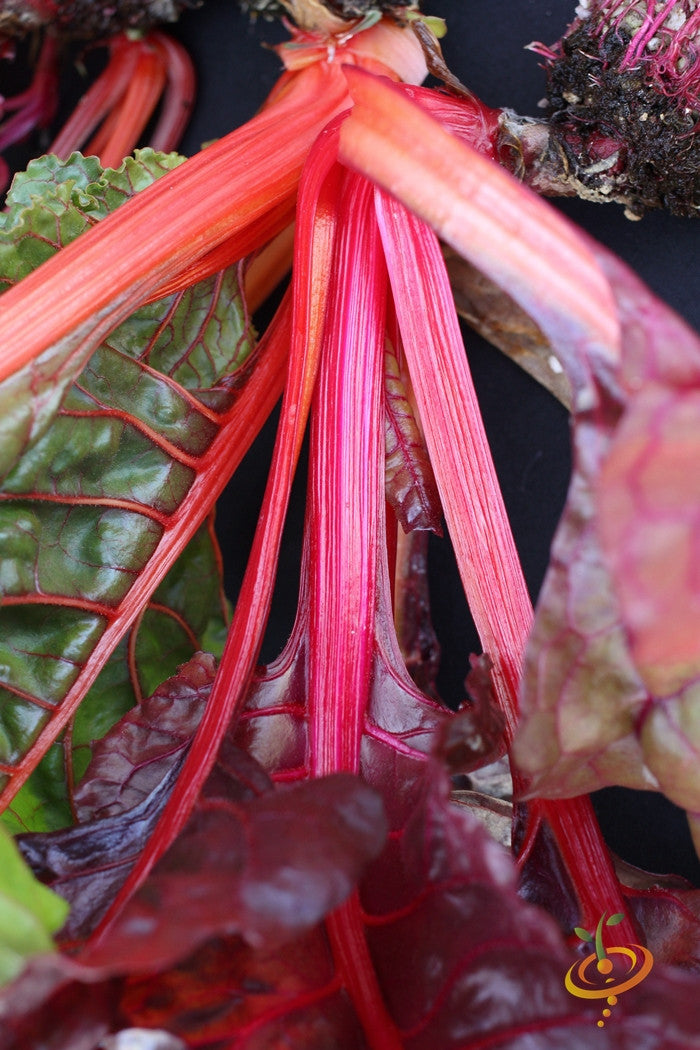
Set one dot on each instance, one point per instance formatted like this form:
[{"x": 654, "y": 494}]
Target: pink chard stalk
[{"x": 299, "y": 816}]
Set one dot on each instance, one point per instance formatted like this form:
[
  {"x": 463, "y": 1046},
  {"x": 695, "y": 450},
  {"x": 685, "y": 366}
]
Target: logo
[{"x": 605, "y": 974}]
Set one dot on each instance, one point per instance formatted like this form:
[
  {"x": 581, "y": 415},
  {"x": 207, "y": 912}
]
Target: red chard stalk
[
  {"x": 145, "y": 70},
  {"x": 142, "y": 72},
  {"x": 33, "y": 108}
]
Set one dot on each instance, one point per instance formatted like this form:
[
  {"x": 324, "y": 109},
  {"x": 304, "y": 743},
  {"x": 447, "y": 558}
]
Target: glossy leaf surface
[
  {"x": 98, "y": 482},
  {"x": 463, "y": 961}
]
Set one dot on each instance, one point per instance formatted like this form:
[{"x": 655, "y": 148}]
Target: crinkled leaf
[
  {"x": 88, "y": 863},
  {"x": 171, "y": 627},
  {"x": 667, "y": 908},
  {"x": 58, "y": 1005},
  {"x": 140, "y": 750},
  {"x": 615, "y": 626},
  {"x": 93, "y": 490},
  {"x": 48, "y": 207},
  {"x": 463, "y": 963},
  {"x": 410, "y": 483},
  {"x": 266, "y": 865},
  {"x": 440, "y": 868}
]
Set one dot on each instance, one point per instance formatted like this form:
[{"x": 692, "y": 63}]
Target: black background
[{"x": 485, "y": 47}]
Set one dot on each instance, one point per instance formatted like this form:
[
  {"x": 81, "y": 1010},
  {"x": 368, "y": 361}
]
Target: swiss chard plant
[{"x": 266, "y": 856}]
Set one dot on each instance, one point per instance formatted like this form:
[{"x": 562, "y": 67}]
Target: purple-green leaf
[
  {"x": 609, "y": 685},
  {"x": 98, "y": 472}
]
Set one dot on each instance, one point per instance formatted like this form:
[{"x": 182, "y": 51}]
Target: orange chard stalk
[
  {"x": 142, "y": 73},
  {"x": 118, "y": 105},
  {"x": 228, "y": 200}
]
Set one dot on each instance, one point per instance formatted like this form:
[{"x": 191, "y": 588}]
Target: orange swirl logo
[{"x": 592, "y": 977}]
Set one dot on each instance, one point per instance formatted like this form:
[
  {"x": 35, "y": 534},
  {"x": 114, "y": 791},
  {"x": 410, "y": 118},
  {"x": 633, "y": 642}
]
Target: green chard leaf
[
  {"x": 29, "y": 912},
  {"x": 49, "y": 205},
  {"x": 94, "y": 471}
]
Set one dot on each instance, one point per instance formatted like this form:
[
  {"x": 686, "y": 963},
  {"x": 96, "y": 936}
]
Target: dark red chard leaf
[
  {"x": 99, "y": 501},
  {"x": 88, "y": 863},
  {"x": 56, "y": 1005},
  {"x": 463, "y": 962},
  {"x": 667, "y": 909},
  {"x": 432, "y": 964},
  {"x": 140, "y": 750},
  {"x": 265, "y": 864},
  {"x": 228, "y": 994},
  {"x": 411, "y": 488},
  {"x": 268, "y": 868},
  {"x": 474, "y": 736},
  {"x": 499, "y": 980},
  {"x": 416, "y": 635}
]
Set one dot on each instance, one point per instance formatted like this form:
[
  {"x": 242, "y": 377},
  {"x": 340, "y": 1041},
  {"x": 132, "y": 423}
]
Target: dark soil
[
  {"x": 90, "y": 19},
  {"x": 591, "y": 102},
  {"x": 349, "y": 9}
]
